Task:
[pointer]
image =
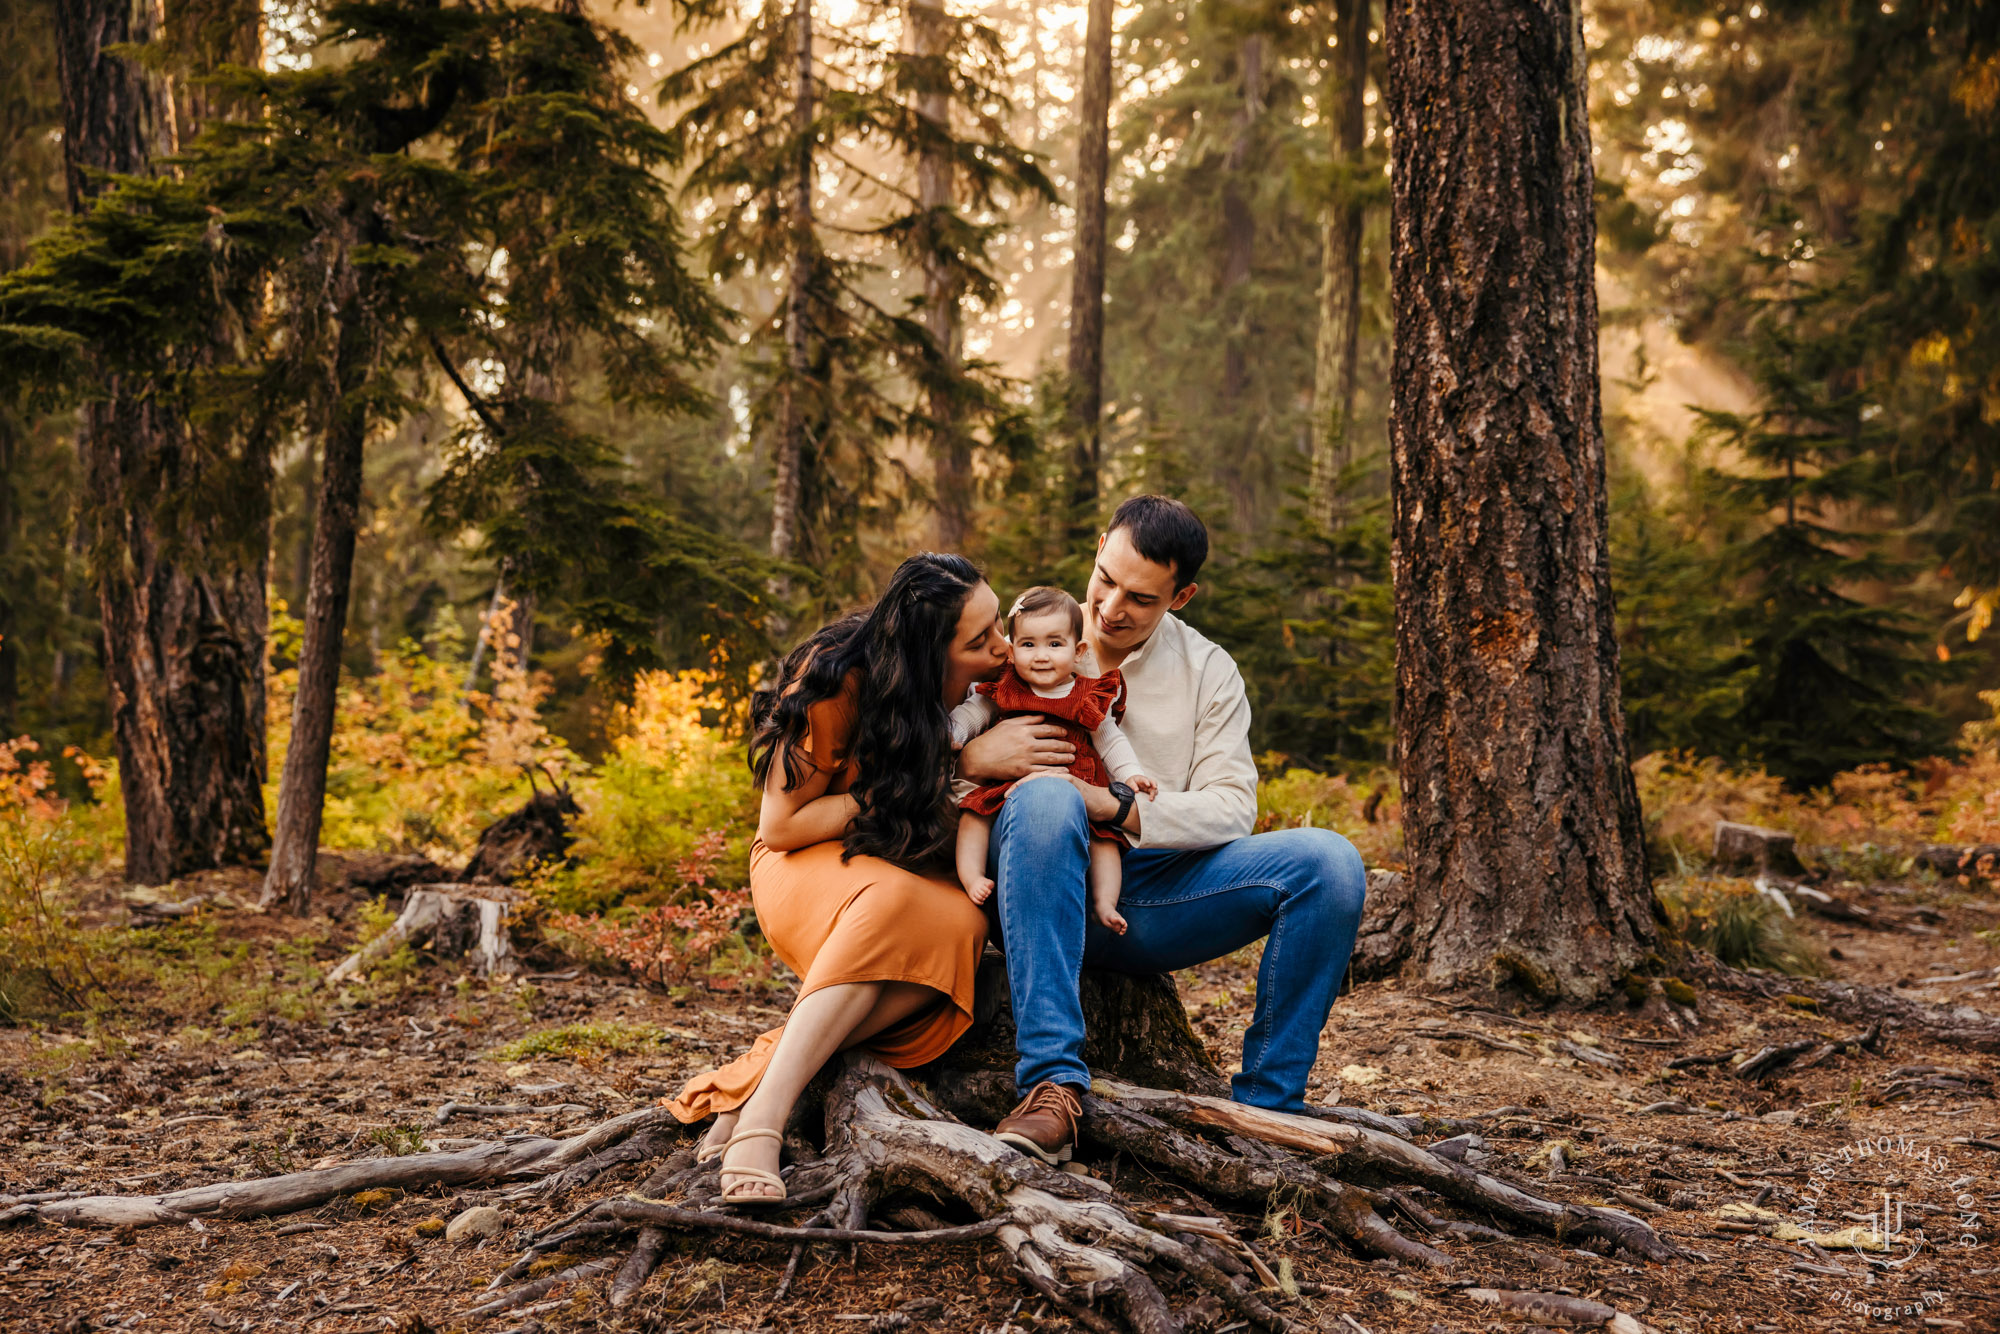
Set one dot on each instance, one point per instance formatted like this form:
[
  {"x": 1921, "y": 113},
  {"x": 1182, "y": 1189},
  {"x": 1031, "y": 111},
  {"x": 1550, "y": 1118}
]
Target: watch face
[{"x": 1122, "y": 791}]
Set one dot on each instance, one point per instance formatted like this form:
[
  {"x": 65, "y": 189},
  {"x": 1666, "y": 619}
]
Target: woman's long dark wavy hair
[{"x": 902, "y": 733}]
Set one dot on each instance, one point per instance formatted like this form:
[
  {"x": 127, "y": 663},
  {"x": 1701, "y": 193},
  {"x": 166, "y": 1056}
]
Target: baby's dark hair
[{"x": 1042, "y": 599}]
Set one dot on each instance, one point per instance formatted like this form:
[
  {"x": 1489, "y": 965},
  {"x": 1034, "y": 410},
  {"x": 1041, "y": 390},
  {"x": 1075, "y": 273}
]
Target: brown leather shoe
[{"x": 1044, "y": 1124}]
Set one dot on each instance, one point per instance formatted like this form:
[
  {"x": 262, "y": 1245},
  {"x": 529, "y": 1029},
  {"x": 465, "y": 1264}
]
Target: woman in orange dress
[{"x": 850, "y": 872}]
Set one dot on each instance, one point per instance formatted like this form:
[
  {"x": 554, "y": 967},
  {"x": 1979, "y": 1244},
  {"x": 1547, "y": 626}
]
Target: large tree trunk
[
  {"x": 302, "y": 787},
  {"x": 1338, "y": 355},
  {"x": 183, "y": 611},
  {"x": 1086, "y": 292},
  {"x": 1526, "y": 848},
  {"x": 792, "y": 418},
  {"x": 951, "y": 451}
]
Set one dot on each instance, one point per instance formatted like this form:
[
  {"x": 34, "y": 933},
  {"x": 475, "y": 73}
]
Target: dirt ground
[{"x": 172, "y": 1100}]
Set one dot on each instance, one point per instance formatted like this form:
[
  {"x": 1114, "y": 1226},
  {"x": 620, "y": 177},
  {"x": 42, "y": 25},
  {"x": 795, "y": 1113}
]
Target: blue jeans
[{"x": 1301, "y": 887}]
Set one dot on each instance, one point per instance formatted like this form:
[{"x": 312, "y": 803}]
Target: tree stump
[
  {"x": 1749, "y": 847},
  {"x": 456, "y": 921},
  {"x": 1135, "y": 1024}
]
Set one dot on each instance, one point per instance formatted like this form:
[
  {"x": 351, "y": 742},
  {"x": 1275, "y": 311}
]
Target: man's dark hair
[{"x": 1165, "y": 532}]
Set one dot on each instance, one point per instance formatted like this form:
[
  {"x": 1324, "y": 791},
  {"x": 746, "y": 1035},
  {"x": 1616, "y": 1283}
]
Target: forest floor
[{"x": 223, "y": 1075}]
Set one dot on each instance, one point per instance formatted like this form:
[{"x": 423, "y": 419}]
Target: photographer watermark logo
[{"x": 1879, "y": 1215}]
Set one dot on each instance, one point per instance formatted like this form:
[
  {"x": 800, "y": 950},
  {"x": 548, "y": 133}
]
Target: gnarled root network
[{"x": 895, "y": 1155}]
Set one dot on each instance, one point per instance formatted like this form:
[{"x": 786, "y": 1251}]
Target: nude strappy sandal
[{"x": 757, "y": 1174}]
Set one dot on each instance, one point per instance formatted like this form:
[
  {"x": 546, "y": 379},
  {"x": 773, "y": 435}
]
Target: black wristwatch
[{"x": 1126, "y": 796}]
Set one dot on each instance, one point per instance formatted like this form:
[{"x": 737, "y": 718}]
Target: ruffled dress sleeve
[{"x": 1095, "y": 698}]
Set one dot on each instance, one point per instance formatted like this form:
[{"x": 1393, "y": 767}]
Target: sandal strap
[
  {"x": 756, "y": 1174},
  {"x": 742, "y": 1135}
]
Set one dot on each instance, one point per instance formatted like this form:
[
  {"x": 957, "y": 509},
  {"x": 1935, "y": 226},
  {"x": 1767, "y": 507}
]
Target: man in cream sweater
[{"x": 1198, "y": 884}]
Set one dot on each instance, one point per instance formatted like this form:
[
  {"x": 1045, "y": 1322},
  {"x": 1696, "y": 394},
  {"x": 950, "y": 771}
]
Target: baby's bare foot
[
  {"x": 979, "y": 890},
  {"x": 1110, "y": 919}
]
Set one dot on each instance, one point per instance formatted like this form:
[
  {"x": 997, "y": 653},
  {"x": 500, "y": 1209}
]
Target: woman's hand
[{"x": 1013, "y": 748}]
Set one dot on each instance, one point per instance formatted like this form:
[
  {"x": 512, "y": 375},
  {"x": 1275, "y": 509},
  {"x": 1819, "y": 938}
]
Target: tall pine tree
[{"x": 1829, "y": 676}]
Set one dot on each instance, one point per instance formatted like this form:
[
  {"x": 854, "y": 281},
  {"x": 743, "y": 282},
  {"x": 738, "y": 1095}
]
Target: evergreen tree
[
  {"x": 173, "y": 508},
  {"x": 1213, "y": 316},
  {"x": 1874, "y": 125},
  {"x": 1084, "y": 391},
  {"x": 1526, "y": 842},
  {"x": 1682, "y": 672},
  {"x": 967, "y": 169},
  {"x": 898, "y": 115},
  {"x": 1352, "y": 188},
  {"x": 1829, "y": 676},
  {"x": 31, "y": 191},
  {"x": 445, "y": 187}
]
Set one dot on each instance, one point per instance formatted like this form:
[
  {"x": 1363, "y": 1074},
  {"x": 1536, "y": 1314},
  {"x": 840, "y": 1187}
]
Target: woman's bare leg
[{"x": 829, "y": 1020}]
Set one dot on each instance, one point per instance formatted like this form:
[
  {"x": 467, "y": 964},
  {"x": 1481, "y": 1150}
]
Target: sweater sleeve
[
  {"x": 969, "y": 719},
  {"x": 1115, "y": 749},
  {"x": 1220, "y": 802}
]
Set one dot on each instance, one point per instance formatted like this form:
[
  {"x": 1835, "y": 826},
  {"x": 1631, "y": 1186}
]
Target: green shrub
[{"x": 1738, "y": 925}]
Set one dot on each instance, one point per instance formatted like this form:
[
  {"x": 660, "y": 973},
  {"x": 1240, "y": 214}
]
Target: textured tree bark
[
  {"x": 117, "y": 117},
  {"x": 181, "y": 598},
  {"x": 1086, "y": 292},
  {"x": 302, "y": 786},
  {"x": 951, "y": 450},
  {"x": 1135, "y": 1027},
  {"x": 1337, "y": 357},
  {"x": 792, "y": 418},
  {"x": 1526, "y": 848}
]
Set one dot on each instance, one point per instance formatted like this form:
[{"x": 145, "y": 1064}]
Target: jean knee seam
[{"x": 1126, "y": 901}]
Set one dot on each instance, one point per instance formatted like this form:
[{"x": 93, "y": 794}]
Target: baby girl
[{"x": 1045, "y": 628}]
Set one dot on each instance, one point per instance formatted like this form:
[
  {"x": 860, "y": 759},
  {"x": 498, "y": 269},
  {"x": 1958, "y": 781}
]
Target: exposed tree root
[
  {"x": 532, "y": 1159},
  {"x": 1359, "y": 1153},
  {"x": 894, "y": 1153}
]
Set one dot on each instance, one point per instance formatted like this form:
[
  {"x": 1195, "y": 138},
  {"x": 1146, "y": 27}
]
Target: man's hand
[
  {"x": 1101, "y": 807},
  {"x": 1013, "y": 748}
]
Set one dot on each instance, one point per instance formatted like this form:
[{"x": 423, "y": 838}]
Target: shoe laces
[{"x": 1055, "y": 1098}]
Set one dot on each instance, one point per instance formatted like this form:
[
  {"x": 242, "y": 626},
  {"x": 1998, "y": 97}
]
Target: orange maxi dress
[{"x": 863, "y": 920}]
